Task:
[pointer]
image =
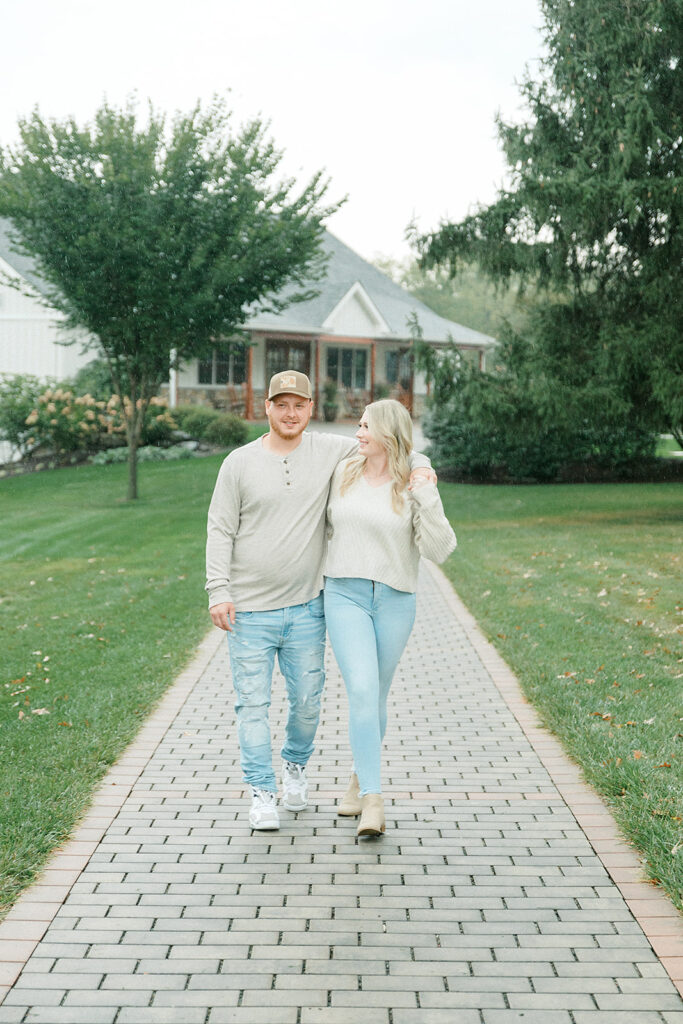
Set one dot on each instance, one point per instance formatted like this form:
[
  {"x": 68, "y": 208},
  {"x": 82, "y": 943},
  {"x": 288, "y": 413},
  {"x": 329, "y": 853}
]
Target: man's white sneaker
[
  {"x": 295, "y": 786},
  {"x": 263, "y": 814}
]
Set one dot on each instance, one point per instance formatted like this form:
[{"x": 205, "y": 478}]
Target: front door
[{"x": 287, "y": 355}]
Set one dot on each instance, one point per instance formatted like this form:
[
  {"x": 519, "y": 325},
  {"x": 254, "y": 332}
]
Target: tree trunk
[
  {"x": 134, "y": 420},
  {"x": 132, "y": 468}
]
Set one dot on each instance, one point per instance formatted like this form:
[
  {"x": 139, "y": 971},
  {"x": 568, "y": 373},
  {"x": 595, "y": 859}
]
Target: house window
[
  {"x": 225, "y": 365},
  {"x": 347, "y": 367},
  {"x": 399, "y": 368}
]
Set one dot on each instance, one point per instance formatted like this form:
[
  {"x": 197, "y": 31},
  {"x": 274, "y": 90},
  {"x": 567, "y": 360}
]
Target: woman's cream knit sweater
[{"x": 367, "y": 539}]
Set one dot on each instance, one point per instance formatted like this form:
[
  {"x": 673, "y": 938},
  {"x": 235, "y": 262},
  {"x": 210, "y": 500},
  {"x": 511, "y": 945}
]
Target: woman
[{"x": 378, "y": 527}]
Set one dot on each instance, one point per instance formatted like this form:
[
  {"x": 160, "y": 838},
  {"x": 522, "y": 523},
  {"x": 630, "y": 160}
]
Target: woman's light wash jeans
[
  {"x": 368, "y": 624},
  {"x": 297, "y": 635}
]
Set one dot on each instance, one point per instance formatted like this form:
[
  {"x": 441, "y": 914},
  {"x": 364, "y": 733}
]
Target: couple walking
[{"x": 314, "y": 531}]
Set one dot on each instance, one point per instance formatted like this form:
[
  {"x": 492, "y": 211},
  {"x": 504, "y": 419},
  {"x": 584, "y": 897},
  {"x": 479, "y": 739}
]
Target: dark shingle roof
[
  {"x": 23, "y": 265},
  {"x": 344, "y": 269}
]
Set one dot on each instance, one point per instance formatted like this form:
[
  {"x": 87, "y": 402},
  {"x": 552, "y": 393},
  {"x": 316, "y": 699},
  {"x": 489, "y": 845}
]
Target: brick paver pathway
[{"x": 485, "y": 903}]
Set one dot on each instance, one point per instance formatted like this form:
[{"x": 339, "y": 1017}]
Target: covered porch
[{"x": 354, "y": 371}]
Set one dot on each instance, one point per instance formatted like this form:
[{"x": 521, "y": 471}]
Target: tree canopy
[
  {"x": 159, "y": 237},
  {"x": 593, "y": 212}
]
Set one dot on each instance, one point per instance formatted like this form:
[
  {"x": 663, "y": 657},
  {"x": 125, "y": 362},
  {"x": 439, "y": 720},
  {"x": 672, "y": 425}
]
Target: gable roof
[
  {"x": 23, "y": 265},
  {"x": 345, "y": 271},
  {"x": 348, "y": 278}
]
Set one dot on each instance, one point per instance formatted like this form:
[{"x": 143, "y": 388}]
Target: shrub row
[
  {"x": 57, "y": 419},
  {"x": 533, "y": 450},
  {"x": 148, "y": 453},
  {"x": 225, "y": 430}
]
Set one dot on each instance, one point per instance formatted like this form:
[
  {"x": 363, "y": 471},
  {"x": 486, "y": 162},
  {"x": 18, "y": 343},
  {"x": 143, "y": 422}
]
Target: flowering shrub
[
  {"x": 18, "y": 395},
  {"x": 158, "y": 426},
  {"x": 62, "y": 422}
]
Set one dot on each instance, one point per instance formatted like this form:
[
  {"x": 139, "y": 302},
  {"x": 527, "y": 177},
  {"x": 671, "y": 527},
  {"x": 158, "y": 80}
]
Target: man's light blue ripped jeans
[{"x": 297, "y": 635}]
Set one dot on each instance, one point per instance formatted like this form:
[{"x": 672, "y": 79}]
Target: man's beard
[{"x": 293, "y": 431}]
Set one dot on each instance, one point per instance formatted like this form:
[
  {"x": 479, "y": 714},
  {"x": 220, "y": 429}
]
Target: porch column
[
  {"x": 249, "y": 392},
  {"x": 316, "y": 380},
  {"x": 173, "y": 382},
  {"x": 373, "y": 356}
]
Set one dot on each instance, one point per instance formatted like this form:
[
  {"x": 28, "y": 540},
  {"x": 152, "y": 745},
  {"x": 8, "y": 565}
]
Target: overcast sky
[{"x": 394, "y": 99}]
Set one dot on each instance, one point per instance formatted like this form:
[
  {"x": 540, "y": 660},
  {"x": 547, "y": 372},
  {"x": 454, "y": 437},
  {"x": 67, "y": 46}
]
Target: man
[{"x": 264, "y": 555}]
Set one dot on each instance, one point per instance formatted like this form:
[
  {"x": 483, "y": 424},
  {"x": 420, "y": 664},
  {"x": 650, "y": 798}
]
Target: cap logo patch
[{"x": 288, "y": 381}]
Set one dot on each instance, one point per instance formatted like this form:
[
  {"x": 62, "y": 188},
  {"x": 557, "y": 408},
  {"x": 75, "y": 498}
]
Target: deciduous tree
[{"x": 159, "y": 237}]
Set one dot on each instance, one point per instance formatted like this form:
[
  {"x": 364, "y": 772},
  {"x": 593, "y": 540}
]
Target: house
[{"x": 354, "y": 332}]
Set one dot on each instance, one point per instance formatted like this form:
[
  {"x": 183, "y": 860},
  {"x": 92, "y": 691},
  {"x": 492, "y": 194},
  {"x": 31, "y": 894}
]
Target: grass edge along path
[{"x": 576, "y": 587}]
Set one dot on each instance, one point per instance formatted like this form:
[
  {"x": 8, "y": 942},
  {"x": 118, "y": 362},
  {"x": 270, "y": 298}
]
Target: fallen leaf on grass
[
  {"x": 637, "y": 754},
  {"x": 40, "y": 711}
]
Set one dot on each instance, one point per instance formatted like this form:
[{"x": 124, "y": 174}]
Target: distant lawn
[
  {"x": 101, "y": 604},
  {"x": 256, "y": 429},
  {"x": 666, "y": 446},
  {"x": 579, "y": 588}
]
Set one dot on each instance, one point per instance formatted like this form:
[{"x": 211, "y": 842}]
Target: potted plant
[{"x": 329, "y": 400}]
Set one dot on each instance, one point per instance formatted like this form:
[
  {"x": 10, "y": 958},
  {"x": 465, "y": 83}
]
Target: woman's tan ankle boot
[
  {"x": 372, "y": 815},
  {"x": 350, "y": 803}
]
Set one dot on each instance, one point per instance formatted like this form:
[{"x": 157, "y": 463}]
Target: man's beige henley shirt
[{"x": 266, "y": 527}]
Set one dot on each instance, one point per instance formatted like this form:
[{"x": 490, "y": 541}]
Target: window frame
[
  {"x": 231, "y": 353},
  {"x": 357, "y": 353}
]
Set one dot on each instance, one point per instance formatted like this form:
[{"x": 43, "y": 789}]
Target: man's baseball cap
[{"x": 289, "y": 382}]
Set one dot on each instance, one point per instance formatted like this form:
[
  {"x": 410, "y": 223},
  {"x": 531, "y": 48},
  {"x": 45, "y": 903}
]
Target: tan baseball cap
[{"x": 289, "y": 382}]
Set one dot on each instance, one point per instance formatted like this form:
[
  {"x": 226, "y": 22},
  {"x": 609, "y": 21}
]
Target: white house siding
[{"x": 31, "y": 341}]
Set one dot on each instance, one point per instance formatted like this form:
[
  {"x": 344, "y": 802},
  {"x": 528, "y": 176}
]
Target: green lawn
[
  {"x": 256, "y": 429},
  {"x": 667, "y": 446},
  {"x": 579, "y": 588}
]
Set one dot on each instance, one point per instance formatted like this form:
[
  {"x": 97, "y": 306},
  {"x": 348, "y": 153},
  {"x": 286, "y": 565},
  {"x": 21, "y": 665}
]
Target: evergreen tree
[{"x": 593, "y": 213}]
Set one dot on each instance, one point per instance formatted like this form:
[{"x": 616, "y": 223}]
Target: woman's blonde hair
[{"x": 390, "y": 424}]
